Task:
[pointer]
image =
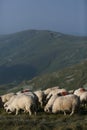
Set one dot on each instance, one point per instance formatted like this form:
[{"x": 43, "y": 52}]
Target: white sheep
[
  {"x": 57, "y": 91},
  {"x": 83, "y": 98},
  {"x": 9, "y": 101},
  {"x": 48, "y": 107},
  {"x": 23, "y": 102},
  {"x": 41, "y": 97},
  {"x": 66, "y": 103},
  {"x": 79, "y": 91},
  {"x": 48, "y": 90},
  {"x": 6, "y": 97}
]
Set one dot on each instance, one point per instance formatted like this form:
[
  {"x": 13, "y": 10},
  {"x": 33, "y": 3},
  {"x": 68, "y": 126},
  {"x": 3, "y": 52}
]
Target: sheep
[
  {"x": 23, "y": 102},
  {"x": 28, "y": 92},
  {"x": 9, "y": 101},
  {"x": 66, "y": 103},
  {"x": 82, "y": 94},
  {"x": 6, "y": 97},
  {"x": 57, "y": 91},
  {"x": 83, "y": 99},
  {"x": 79, "y": 91},
  {"x": 48, "y": 90},
  {"x": 35, "y": 97},
  {"x": 48, "y": 107},
  {"x": 23, "y": 91},
  {"x": 41, "y": 97}
]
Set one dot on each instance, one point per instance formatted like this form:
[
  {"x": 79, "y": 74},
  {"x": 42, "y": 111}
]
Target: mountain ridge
[{"x": 39, "y": 52}]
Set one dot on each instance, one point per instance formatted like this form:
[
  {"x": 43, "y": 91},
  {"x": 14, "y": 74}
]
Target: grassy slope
[
  {"x": 70, "y": 78},
  {"x": 43, "y": 121},
  {"x": 26, "y": 54}
]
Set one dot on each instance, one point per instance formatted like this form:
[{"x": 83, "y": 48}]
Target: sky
[{"x": 65, "y": 16}]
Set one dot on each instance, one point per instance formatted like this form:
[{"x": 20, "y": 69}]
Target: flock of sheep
[{"x": 51, "y": 100}]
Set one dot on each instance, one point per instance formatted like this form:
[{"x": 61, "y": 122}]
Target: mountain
[
  {"x": 26, "y": 54},
  {"x": 70, "y": 78}
]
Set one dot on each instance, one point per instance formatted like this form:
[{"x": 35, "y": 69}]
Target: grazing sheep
[
  {"x": 83, "y": 98},
  {"x": 9, "y": 101},
  {"x": 57, "y": 91},
  {"x": 6, "y": 97},
  {"x": 34, "y": 96},
  {"x": 82, "y": 94},
  {"x": 23, "y": 102},
  {"x": 41, "y": 97},
  {"x": 66, "y": 103},
  {"x": 79, "y": 91},
  {"x": 23, "y": 91},
  {"x": 30, "y": 93},
  {"x": 48, "y": 90},
  {"x": 48, "y": 107}
]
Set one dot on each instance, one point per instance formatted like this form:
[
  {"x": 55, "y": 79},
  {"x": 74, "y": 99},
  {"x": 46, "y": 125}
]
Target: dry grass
[{"x": 43, "y": 121}]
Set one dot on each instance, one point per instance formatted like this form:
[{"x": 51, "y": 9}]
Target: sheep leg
[
  {"x": 64, "y": 113},
  {"x": 16, "y": 111},
  {"x": 30, "y": 113},
  {"x": 71, "y": 113}
]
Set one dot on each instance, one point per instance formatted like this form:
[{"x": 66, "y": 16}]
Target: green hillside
[
  {"x": 70, "y": 78},
  {"x": 26, "y": 54}
]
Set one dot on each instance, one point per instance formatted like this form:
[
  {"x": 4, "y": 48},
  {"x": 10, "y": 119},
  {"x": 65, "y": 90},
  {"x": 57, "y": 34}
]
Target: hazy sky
[{"x": 66, "y": 16}]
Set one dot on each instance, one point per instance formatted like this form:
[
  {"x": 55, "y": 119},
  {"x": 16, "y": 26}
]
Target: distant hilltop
[{"x": 26, "y": 54}]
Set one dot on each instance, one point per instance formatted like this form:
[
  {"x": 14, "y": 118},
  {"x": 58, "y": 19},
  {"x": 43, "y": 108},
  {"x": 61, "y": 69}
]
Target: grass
[{"x": 43, "y": 121}]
